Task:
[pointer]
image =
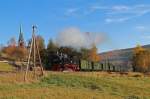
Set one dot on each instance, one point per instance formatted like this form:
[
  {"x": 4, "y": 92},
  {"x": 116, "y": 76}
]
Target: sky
[{"x": 125, "y": 23}]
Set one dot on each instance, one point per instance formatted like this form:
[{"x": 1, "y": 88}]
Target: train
[{"x": 63, "y": 62}]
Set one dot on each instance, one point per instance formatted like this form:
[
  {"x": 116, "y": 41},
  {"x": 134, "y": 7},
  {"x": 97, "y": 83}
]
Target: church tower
[{"x": 21, "y": 42}]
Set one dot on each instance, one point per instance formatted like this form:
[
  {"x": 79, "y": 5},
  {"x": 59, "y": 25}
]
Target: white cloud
[
  {"x": 109, "y": 20},
  {"x": 141, "y": 28},
  {"x": 144, "y": 30},
  {"x": 126, "y": 13},
  {"x": 146, "y": 37},
  {"x": 120, "y": 19},
  {"x": 94, "y": 8},
  {"x": 71, "y": 11},
  {"x": 136, "y": 9},
  {"x": 123, "y": 12},
  {"x": 120, "y": 8}
]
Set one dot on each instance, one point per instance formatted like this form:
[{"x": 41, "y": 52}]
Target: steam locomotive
[{"x": 63, "y": 62}]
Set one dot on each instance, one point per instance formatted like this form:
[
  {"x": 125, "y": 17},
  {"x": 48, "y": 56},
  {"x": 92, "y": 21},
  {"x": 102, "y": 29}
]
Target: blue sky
[{"x": 125, "y": 23}]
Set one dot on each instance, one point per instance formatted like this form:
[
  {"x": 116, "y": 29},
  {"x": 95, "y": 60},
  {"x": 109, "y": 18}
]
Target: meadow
[{"x": 75, "y": 85}]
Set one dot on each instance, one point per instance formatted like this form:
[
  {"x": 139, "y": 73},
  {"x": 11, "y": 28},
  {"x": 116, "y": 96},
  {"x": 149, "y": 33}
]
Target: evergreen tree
[{"x": 52, "y": 47}]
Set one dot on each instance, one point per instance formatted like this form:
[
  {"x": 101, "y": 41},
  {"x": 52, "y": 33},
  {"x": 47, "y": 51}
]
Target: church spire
[
  {"x": 21, "y": 39},
  {"x": 20, "y": 29}
]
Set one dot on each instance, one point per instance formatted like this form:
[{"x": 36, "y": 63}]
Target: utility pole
[{"x": 33, "y": 52}]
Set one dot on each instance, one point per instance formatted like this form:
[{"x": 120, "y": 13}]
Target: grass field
[
  {"x": 78, "y": 85},
  {"x": 75, "y": 86},
  {"x": 6, "y": 67}
]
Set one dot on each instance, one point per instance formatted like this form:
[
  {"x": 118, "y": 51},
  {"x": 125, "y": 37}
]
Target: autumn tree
[
  {"x": 138, "y": 49},
  {"x": 41, "y": 45},
  {"x": 12, "y": 42},
  {"x": 141, "y": 59},
  {"x": 14, "y": 52},
  {"x": 40, "y": 42},
  {"x": 93, "y": 54},
  {"x": 21, "y": 53},
  {"x": 9, "y": 51}
]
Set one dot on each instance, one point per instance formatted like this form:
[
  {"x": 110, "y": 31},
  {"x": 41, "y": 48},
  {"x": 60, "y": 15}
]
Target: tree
[
  {"x": 1, "y": 49},
  {"x": 21, "y": 53},
  {"x": 40, "y": 42},
  {"x": 138, "y": 49},
  {"x": 41, "y": 45},
  {"x": 49, "y": 53},
  {"x": 93, "y": 56},
  {"x": 15, "y": 53},
  {"x": 141, "y": 59},
  {"x": 12, "y": 42},
  {"x": 52, "y": 47},
  {"x": 84, "y": 53}
]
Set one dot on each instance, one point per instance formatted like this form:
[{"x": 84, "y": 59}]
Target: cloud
[
  {"x": 144, "y": 29},
  {"x": 126, "y": 13},
  {"x": 120, "y": 8},
  {"x": 115, "y": 13},
  {"x": 141, "y": 9},
  {"x": 121, "y": 19},
  {"x": 146, "y": 37},
  {"x": 94, "y": 8},
  {"x": 71, "y": 11},
  {"x": 141, "y": 28},
  {"x": 123, "y": 9}
]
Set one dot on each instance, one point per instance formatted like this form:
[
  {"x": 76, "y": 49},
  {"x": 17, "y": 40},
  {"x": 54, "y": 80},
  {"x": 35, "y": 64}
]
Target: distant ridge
[{"x": 121, "y": 56}]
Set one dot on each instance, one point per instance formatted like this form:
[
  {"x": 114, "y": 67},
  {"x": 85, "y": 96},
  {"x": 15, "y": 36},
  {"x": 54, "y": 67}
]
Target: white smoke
[{"x": 73, "y": 37}]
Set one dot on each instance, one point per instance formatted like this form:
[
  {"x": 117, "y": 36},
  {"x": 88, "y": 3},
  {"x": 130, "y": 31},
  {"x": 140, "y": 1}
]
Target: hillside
[{"x": 121, "y": 57}]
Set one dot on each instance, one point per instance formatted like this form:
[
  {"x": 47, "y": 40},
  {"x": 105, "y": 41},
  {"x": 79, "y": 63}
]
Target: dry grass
[
  {"x": 55, "y": 92},
  {"x": 16, "y": 78},
  {"x": 75, "y": 85},
  {"x": 6, "y": 67}
]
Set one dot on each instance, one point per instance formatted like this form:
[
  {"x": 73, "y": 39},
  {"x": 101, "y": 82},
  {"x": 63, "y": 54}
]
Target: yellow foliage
[
  {"x": 138, "y": 49},
  {"x": 141, "y": 59},
  {"x": 93, "y": 56},
  {"x": 16, "y": 53}
]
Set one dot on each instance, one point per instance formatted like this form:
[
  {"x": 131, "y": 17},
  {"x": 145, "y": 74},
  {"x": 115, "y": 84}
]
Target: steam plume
[{"x": 73, "y": 37}]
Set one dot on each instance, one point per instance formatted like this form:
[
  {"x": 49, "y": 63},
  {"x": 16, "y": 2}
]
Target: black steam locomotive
[{"x": 63, "y": 62}]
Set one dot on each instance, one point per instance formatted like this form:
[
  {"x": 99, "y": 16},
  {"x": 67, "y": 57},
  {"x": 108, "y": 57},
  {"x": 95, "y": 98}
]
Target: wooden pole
[
  {"x": 33, "y": 49},
  {"x": 41, "y": 67},
  {"x": 26, "y": 72}
]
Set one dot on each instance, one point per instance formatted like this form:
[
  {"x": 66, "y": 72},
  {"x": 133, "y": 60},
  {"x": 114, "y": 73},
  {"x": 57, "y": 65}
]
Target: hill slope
[{"x": 121, "y": 57}]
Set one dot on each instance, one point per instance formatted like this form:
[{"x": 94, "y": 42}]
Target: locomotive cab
[{"x": 63, "y": 62}]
